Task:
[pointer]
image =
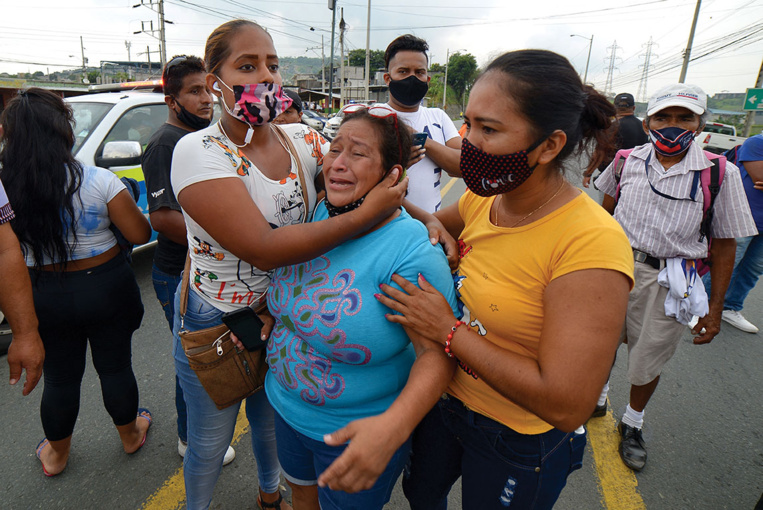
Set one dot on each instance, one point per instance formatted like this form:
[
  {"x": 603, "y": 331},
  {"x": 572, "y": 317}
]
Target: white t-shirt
[
  {"x": 220, "y": 277},
  {"x": 424, "y": 176},
  {"x": 99, "y": 186}
]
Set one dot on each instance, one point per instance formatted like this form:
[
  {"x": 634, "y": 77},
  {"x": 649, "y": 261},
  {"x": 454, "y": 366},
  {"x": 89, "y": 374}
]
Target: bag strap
[
  {"x": 619, "y": 163},
  {"x": 300, "y": 173},
  {"x": 710, "y": 179},
  {"x": 184, "y": 288}
]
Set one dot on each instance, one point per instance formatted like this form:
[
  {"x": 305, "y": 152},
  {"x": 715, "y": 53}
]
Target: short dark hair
[
  {"x": 407, "y": 42},
  {"x": 296, "y": 100},
  {"x": 396, "y": 140},
  {"x": 549, "y": 94},
  {"x": 175, "y": 72}
]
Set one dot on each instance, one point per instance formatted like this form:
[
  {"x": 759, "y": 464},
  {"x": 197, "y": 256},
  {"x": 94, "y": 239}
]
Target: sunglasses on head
[
  {"x": 379, "y": 112},
  {"x": 172, "y": 63}
]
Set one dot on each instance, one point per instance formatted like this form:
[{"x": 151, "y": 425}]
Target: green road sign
[{"x": 753, "y": 100}]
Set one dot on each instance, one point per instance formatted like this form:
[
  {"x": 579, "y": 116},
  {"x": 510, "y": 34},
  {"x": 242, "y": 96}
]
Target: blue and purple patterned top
[{"x": 333, "y": 355}]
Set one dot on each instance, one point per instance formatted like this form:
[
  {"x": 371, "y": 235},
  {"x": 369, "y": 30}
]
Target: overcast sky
[{"x": 730, "y": 32}]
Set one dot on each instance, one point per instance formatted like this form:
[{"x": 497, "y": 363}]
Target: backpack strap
[
  {"x": 710, "y": 179},
  {"x": 619, "y": 164}
]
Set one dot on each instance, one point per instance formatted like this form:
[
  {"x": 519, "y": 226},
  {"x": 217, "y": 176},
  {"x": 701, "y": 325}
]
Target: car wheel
[{"x": 6, "y": 336}]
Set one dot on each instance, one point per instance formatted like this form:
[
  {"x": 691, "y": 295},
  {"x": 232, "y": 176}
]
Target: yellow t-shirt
[{"x": 503, "y": 274}]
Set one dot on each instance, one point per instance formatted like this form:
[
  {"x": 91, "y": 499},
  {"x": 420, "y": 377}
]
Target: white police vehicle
[{"x": 111, "y": 129}]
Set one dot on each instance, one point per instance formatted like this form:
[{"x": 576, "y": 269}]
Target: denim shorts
[
  {"x": 500, "y": 468},
  {"x": 303, "y": 459}
]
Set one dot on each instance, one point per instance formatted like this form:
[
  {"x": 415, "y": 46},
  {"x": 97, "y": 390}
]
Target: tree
[
  {"x": 92, "y": 76},
  {"x": 462, "y": 71},
  {"x": 436, "y": 68},
  {"x": 358, "y": 58}
]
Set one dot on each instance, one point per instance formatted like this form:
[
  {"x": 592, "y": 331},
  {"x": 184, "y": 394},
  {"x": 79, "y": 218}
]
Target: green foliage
[
  {"x": 436, "y": 68},
  {"x": 358, "y": 58},
  {"x": 462, "y": 71},
  {"x": 92, "y": 76}
]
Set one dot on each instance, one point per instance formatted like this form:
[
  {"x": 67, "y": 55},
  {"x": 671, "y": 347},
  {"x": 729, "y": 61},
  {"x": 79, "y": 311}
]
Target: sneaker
[
  {"x": 230, "y": 453},
  {"x": 737, "y": 320}
]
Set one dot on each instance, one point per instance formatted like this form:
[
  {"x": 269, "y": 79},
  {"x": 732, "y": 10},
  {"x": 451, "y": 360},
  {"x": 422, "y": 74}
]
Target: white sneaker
[
  {"x": 230, "y": 453},
  {"x": 737, "y": 320}
]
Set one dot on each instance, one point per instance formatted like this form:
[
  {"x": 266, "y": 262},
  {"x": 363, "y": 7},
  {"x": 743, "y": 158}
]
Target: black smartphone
[
  {"x": 247, "y": 327},
  {"x": 419, "y": 138}
]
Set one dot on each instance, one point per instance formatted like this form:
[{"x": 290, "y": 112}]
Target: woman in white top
[
  {"x": 243, "y": 199},
  {"x": 84, "y": 290}
]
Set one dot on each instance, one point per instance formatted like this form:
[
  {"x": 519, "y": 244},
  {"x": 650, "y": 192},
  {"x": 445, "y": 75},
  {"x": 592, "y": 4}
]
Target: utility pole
[
  {"x": 642, "y": 95},
  {"x": 445, "y": 83},
  {"x": 129, "y": 69},
  {"x": 687, "y": 53},
  {"x": 342, "y": 28},
  {"x": 323, "y": 67},
  {"x": 751, "y": 115},
  {"x": 611, "y": 71},
  {"x": 84, "y": 60},
  {"x": 158, "y": 7},
  {"x": 332, "y": 6},
  {"x": 162, "y": 39},
  {"x": 368, "y": 50}
]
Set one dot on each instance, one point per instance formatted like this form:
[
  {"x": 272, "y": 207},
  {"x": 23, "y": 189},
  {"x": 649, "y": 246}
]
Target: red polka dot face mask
[{"x": 490, "y": 174}]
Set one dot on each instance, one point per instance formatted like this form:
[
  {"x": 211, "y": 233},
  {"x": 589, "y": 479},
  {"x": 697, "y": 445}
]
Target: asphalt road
[{"x": 703, "y": 431}]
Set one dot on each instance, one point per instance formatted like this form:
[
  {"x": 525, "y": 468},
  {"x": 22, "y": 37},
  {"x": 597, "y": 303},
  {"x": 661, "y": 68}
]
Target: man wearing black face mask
[
  {"x": 408, "y": 81},
  {"x": 660, "y": 206},
  {"x": 190, "y": 109}
]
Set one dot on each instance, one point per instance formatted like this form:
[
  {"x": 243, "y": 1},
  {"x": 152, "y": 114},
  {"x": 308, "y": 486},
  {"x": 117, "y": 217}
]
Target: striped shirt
[
  {"x": 667, "y": 228},
  {"x": 6, "y": 213}
]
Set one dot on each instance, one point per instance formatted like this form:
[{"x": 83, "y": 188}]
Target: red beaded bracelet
[{"x": 450, "y": 337}]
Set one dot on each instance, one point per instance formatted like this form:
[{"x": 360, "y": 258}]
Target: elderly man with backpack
[{"x": 673, "y": 200}]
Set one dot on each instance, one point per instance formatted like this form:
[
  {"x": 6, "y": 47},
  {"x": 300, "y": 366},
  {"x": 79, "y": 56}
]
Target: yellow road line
[
  {"x": 617, "y": 484},
  {"x": 446, "y": 188},
  {"x": 171, "y": 495}
]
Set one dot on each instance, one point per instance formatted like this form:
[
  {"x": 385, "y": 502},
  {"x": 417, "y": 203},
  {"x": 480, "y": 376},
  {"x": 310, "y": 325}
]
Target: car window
[
  {"x": 86, "y": 117},
  {"x": 723, "y": 130},
  {"x": 138, "y": 124}
]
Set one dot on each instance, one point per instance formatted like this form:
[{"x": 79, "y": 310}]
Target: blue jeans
[
  {"x": 499, "y": 467},
  {"x": 748, "y": 266},
  {"x": 165, "y": 286},
  {"x": 304, "y": 458},
  {"x": 210, "y": 430}
]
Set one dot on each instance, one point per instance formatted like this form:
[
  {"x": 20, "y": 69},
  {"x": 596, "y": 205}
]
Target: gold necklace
[{"x": 544, "y": 204}]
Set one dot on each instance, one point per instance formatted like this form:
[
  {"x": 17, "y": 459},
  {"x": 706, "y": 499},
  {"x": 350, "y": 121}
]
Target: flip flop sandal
[
  {"x": 42, "y": 444},
  {"x": 275, "y": 504},
  {"x": 146, "y": 415}
]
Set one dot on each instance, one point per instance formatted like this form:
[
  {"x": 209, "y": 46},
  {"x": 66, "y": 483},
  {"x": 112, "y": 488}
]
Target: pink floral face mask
[{"x": 257, "y": 103}]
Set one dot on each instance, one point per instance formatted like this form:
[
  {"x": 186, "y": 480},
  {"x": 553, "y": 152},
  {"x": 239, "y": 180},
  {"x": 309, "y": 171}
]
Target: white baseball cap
[{"x": 688, "y": 96}]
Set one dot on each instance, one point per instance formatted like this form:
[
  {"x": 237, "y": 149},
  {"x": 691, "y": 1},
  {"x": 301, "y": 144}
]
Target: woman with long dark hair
[{"x": 84, "y": 290}]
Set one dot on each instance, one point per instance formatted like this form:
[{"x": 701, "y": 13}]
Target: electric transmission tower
[
  {"x": 611, "y": 71},
  {"x": 642, "y": 95}
]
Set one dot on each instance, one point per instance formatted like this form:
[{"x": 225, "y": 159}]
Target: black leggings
[{"x": 102, "y": 305}]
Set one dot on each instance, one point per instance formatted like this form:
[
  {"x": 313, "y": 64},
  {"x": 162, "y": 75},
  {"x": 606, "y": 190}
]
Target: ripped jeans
[{"x": 500, "y": 468}]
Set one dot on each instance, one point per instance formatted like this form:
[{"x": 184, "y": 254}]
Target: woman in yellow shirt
[{"x": 543, "y": 282}]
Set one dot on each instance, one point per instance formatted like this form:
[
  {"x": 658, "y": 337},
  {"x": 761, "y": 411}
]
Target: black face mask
[
  {"x": 189, "y": 119},
  {"x": 409, "y": 91}
]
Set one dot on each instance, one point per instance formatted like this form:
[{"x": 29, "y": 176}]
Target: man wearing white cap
[{"x": 660, "y": 207}]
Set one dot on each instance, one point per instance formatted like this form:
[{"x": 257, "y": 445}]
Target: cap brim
[{"x": 694, "y": 108}]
